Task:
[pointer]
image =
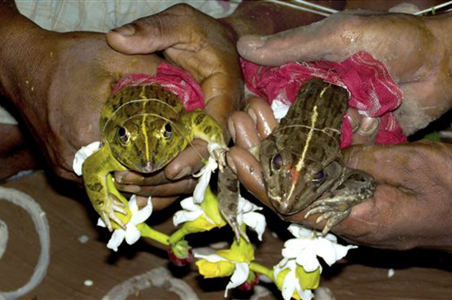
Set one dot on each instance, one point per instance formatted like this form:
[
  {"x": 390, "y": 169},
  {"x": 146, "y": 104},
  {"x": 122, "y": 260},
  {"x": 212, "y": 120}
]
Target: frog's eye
[
  {"x": 167, "y": 131},
  {"x": 277, "y": 162},
  {"x": 123, "y": 135},
  {"x": 318, "y": 177}
]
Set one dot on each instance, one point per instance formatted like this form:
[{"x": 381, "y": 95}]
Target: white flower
[
  {"x": 205, "y": 174},
  {"x": 303, "y": 251},
  {"x": 247, "y": 213},
  {"x": 280, "y": 109},
  {"x": 241, "y": 272},
  {"x": 82, "y": 154},
  {"x": 291, "y": 281},
  {"x": 309, "y": 244},
  {"x": 131, "y": 234},
  {"x": 190, "y": 212}
]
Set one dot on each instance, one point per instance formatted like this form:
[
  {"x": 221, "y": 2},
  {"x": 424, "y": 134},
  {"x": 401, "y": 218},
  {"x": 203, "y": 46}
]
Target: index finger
[
  {"x": 249, "y": 172},
  {"x": 329, "y": 39}
]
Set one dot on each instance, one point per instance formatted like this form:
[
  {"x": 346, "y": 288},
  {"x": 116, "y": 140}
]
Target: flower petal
[
  {"x": 289, "y": 285},
  {"x": 183, "y": 216},
  {"x": 133, "y": 206},
  {"x": 82, "y": 154},
  {"x": 219, "y": 269},
  {"x": 300, "y": 231},
  {"x": 280, "y": 109},
  {"x": 116, "y": 239},
  {"x": 201, "y": 186},
  {"x": 238, "y": 277},
  {"x": 189, "y": 204},
  {"x": 210, "y": 257},
  {"x": 308, "y": 260},
  {"x": 305, "y": 294},
  {"x": 331, "y": 252},
  {"x": 143, "y": 214},
  {"x": 257, "y": 222},
  {"x": 132, "y": 234},
  {"x": 101, "y": 223},
  {"x": 293, "y": 247}
]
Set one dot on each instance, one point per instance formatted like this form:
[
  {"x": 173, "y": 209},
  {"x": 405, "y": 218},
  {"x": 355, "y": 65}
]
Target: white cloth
[{"x": 101, "y": 16}]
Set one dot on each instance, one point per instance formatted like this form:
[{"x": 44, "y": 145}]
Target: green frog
[
  {"x": 143, "y": 128},
  {"x": 301, "y": 158}
]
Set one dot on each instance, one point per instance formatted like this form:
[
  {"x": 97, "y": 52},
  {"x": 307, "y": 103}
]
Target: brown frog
[{"x": 301, "y": 158}]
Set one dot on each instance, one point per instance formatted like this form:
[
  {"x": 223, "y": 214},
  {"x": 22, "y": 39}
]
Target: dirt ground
[{"x": 81, "y": 267}]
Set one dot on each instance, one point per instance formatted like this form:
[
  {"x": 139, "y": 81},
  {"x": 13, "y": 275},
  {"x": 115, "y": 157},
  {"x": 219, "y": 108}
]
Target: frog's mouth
[
  {"x": 146, "y": 167},
  {"x": 291, "y": 205}
]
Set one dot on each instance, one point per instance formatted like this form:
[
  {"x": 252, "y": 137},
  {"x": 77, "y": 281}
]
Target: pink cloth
[
  {"x": 171, "y": 78},
  {"x": 371, "y": 88}
]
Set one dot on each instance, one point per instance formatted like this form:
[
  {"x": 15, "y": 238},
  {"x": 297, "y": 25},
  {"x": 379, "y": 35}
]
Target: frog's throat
[{"x": 144, "y": 100}]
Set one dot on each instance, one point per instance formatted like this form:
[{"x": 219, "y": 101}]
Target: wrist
[{"x": 22, "y": 45}]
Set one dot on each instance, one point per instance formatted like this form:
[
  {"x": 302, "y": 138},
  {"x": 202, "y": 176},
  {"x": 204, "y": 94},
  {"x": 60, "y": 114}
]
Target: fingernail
[
  {"x": 126, "y": 30},
  {"x": 353, "y": 122},
  {"x": 142, "y": 201},
  {"x": 368, "y": 126},
  {"x": 183, "y": 173},
  {"x": 258, "y": 42},
  {"x": 252, "y": 114},
  {"x": 231, "y": 129},
  {"x": 133, "y": 189},
  {"x": 119, "y": 177},
  {"x": 231, "y": 163}
]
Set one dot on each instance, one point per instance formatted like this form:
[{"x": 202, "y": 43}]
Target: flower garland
[{"x": 296, "y": 275}]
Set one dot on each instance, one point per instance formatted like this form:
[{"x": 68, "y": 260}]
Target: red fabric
[
  {"x": 171, "y": 78},
  {"x": 371, "y": 88}
]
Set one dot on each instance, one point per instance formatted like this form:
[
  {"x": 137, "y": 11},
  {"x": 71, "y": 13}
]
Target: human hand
[
  {"x": 202, "y": 46},
  {"x": 416, "y": 54},
  {"x": 60, "y": 84},
  {"x": 412, "y": 181}
]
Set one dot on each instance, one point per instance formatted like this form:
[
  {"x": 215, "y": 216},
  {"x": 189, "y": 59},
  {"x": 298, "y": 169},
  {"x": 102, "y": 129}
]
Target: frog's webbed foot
[
  {"x": 228, "y": 194},
  {"x": 112, "y": 205},
  {"x": 334, "y": 210},
  {"x": 219, "y": 154},
  {"x": 357, "y": 187}
]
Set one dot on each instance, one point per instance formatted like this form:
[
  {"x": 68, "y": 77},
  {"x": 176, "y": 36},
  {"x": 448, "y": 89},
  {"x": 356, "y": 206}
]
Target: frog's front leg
[
  {"x": 99, "y": 186},
  {"x": 355, "y": 187},
  {"x": 204, "y": 127}
]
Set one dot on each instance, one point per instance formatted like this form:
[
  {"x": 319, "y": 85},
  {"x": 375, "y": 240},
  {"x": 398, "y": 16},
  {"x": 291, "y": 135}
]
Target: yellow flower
[
  {"x": 215, "y": 268},
  {"x": 234, "y": 261},
  {"x": 308, "y": 280},
  {"x": 294, "y": 282},
  {"x": 197, "y": 217}
]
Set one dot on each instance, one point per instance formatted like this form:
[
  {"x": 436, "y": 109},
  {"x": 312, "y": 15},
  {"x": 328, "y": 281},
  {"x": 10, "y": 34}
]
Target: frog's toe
[
  {"x": 119, "y": 208},
  {"x": 117, "y": 205},
  {"x": 333, "y": 218},
  {"x": 106, "y": 219},
  {"x": 115, "y": 219},
  {"x": 239, "y": 232},
  {"x": 331, "y": 211},
  {"x": 220, "y": 156}
]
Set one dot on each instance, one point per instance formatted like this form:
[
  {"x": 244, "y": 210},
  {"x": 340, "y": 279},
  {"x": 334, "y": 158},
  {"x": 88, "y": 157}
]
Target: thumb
[
  {"x": 153, "y": 33},
  {"x": 324, "y": 40}
]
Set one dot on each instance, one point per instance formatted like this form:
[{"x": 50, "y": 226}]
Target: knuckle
[{"x": 183, "y": 9}]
